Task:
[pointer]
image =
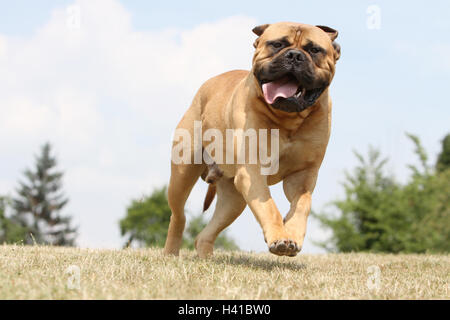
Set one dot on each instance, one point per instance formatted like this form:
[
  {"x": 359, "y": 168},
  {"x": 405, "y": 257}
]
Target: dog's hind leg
[
  {"x": 182, "y": 180},
  {"x": 183, "y": 177},
  {"x": 230, "y": 205}
]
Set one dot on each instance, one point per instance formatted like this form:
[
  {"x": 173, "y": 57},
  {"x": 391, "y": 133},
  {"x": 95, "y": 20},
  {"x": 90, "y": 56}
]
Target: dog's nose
[{"x": 295, "y": 56}]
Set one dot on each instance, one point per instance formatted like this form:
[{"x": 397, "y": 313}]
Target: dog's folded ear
[
  {"x": 333, "y": 34},
  {"x": 259, "y": 30},
  {"x": 337, "y": 50},
  {"x": 330, "y": 31}
]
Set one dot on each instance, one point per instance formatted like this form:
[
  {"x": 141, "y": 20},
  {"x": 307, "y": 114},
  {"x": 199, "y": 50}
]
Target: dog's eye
[
  {"x": 314, "y": 50},
  {"x": 276, "y": 44}
]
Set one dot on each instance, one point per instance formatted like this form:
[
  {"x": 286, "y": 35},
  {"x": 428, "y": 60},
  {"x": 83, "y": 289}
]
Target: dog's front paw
[{"x": 284, "y": 247}]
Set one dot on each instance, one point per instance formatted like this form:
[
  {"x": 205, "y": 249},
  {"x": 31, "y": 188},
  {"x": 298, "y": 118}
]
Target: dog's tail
[{"x": 210, "y": 194}]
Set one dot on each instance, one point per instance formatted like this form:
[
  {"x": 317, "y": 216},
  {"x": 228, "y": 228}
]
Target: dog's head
[{"x": 294, "y": 63}]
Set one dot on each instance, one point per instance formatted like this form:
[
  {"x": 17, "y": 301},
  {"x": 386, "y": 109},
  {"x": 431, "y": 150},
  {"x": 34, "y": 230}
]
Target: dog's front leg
[
  {"x": 298, "y": 188},
  {"x": 253, "y": 186}
]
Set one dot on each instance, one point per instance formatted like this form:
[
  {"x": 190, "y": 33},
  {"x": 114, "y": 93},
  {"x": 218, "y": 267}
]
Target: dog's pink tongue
[{"x": 273, "y": 90}]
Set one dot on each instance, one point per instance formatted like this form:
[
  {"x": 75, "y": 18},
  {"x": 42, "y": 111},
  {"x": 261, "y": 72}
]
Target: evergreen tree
[
  {"x": 379, "y": 214},
  {"x": 39, "y": 202},
  {"x": 443, "y": 161}
]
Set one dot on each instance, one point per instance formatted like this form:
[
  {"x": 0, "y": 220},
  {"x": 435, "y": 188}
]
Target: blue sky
[{"x": 388, "y": 81}]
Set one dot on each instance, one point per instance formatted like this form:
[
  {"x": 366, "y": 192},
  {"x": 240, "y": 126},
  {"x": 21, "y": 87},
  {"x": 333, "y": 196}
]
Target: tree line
[
  {"x": 380, "y": 214},
  {"x": 376, "y": 214},
  {"x": 34, "y": 214}
]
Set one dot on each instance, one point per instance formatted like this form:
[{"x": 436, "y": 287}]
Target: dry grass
[{"x": 42, "y": 273}]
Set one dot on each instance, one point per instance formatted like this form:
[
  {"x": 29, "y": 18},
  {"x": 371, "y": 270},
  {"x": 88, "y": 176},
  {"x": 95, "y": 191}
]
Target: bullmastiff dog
[{"x": 287, "y": 90}]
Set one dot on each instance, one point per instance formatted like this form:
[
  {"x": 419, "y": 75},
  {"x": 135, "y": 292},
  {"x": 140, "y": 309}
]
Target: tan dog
[{"x": 287, "y": 89}]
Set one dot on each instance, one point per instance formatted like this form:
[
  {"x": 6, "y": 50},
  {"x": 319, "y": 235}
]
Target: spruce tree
[{"x": 40, "y": 201}]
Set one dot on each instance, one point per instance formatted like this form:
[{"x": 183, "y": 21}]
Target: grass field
[{"x": 71, "y": 273}]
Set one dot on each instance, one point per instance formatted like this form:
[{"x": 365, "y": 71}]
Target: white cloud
[
  {"x": 3, "y": 47},
  {"x": 108, "y": 97},
  {"x": 431, "y": 59}
]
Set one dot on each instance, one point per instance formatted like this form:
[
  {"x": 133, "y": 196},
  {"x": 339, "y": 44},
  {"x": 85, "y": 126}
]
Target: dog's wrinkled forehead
[{"x": 297, "y": 34}]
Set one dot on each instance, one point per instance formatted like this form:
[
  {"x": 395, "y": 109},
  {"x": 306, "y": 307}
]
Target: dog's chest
[
  {"x": 298, "y": 153},
  {"x": 295, "y": 152}
]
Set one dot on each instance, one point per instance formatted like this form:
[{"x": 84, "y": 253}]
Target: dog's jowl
[{"x": 279, "y": 110}]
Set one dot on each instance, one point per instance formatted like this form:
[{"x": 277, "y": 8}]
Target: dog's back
[{"x": 216, "y": 92}]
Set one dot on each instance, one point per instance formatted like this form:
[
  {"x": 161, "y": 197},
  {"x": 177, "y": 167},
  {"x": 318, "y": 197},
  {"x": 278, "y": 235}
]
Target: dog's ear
[
  {"x": 333, "y": 34},
  {"x": 337, "y": 50},
  {"x": 259, "y": 30},
  {"x": 330, "y": 31}
]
